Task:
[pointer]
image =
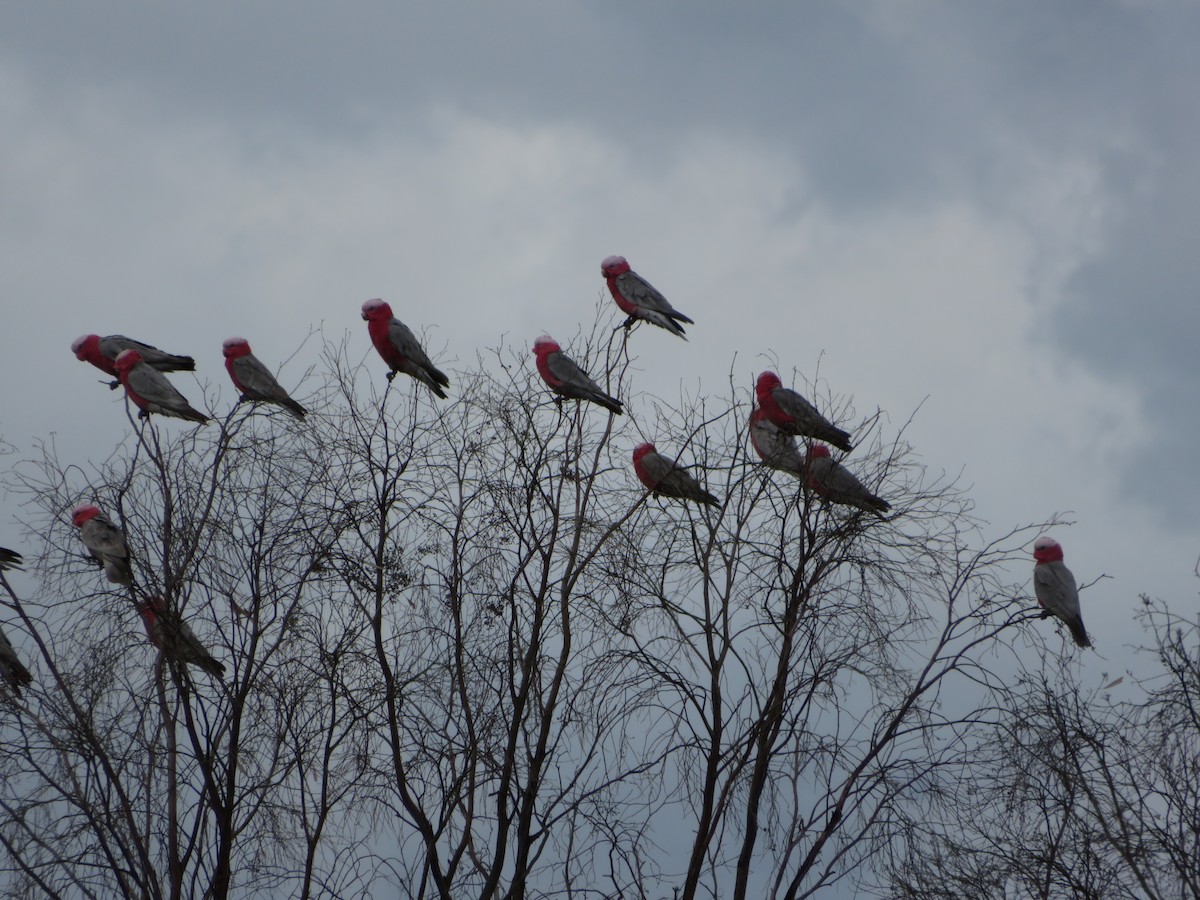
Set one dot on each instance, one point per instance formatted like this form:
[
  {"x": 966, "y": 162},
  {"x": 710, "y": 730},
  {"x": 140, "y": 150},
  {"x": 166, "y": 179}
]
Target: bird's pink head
[
  {"x": 234, "y": 347},
  {"x": 545, "y": 344},
  {"x": 612, "y": 266},
  {"x": 86, "y": 347},
  {"x": 767, "y": 382},
  {"x": 641, "y": 450},
  {"x": 818, "y": 450},
  {"x": 374, "y": 310},
  {"x": 83, "y": 513},
  {"x": 1047, "y": 549},
  {"x": 126, "y": 360}
]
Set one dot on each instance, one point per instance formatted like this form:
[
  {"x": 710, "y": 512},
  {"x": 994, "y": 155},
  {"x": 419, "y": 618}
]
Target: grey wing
[
  {"x": 406, "y": 342},
  {"x": 112, "y": 345},
  {"x": 565, "y": 370},
  {"x": 166, "y": 362},
  {"x": 657, "y": 467},
  {"x": 257, "y": 378},
  {"x": 639, "y": 291},
  {"x": 840, "y": 480},
  {"x": 153, "y": 387},
  {"x": 797, "y": 406}
]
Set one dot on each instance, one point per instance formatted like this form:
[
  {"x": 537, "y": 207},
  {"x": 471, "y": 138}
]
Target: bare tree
[
  {"x": 1073, "y": 791},
  {"x": 469, "y": 655}
]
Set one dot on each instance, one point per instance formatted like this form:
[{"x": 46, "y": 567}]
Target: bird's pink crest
[
  {"x": 127, "y": 359},
  {"x": 641, "y": 450},
  {"x": 819, "y": 450},
  {"x": 235, "y": 346},
  {"x": 767, "y": 382},
  {"x": 376, "y": 309},
  {"x": 83, "y": 344},
  {"x": 611, "y": 266},
  {"x": 545, "y": 344},
  {"x": 83, "y": 513},
  {"x": 1047, "y": 549}
]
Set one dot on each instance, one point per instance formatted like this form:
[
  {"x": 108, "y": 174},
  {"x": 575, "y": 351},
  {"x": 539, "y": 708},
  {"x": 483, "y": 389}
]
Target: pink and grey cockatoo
[
  {"x": 831, "y": 481},
  {"x": 150, "y": 390},
  {"x": 566, "y": 379},
  {"x": 170, "y": 634},
  {"x": 399, "y": 348},
  {"x": 12, "y": 671},
  {"x": 775, "y": 447},
  {"x": 639, "y": 298},
  {"x": 664, "y": 476},
  {"x": 102, "y": 352},
  {"x": 794, "y": 414},
  {"x": 1055, "y": 587},
  {"x": 255, "y": 380},
  {"x": 104, "y": 541}
]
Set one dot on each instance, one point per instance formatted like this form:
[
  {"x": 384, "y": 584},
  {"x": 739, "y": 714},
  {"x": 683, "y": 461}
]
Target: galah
[
  {"x": 150, "y": 390},
  {"x": 102, "y": 352},
  {"x": 775, "y": 447},
  {"x": 104, "y": 541},
  {"x": 170, "y": 634},
  {"x": 831, "y": 481},
  {"x": 794, "y": 414},
  {"x": 399, "y": 348},
  {"x": 566, "y": 379},
  {"x": 639, "y": 299},
  {"x": 9, "y": 559},
  {"x": 255, "y": 380},
  {"x": 664, "y": 476},
  {"x": 11, "y": 669},
  {"x": 1055, "y": 588}
]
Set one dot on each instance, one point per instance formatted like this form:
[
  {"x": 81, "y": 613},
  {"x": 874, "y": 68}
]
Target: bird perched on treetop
[
  {"x": 565, "y": 377},
  {"x": 102, "y": 352},
  {"x": 665, "y": 477},
  {"x": 399, "y": 347},
  {"x": 794, "y": 414},
  {"x": 104, "y": 541},
  {"x": 830, "y": 480},
  {"x": 170, "y": 634},
  {"x": 255, "y": 380},
  {"x": 639, "y": 298},
  {"x": 150, "y": 390},
  {"x": 1055, "y": 588}
]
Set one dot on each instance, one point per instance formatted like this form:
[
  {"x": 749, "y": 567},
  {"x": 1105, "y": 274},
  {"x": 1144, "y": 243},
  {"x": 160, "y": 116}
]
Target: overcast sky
[{"x": 992, "y": 206}]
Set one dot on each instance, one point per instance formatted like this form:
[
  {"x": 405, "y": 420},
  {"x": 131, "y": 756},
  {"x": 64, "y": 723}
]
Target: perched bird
[
  {"x": 9, "y": 559},
  {"x": 399, "y": 348},
  {"x": 831, "y": 481},
  {"x": 566, "y": 379},
  {"x": 170, "y": 634},
  {"x": 638, "y": 297},
  {"x": 151, "y": 391},
  {"x": 664, "y": 477},
  {"x": 794, "y": 414},
  {"x": 104, "y": 541},
  {"x": 102, "y": 352},
  {"x": 255, "y": 380},
  {"x": 1055, "y": 588},
  {"x": 775, "y": 446},
  {"x": 11, "y": 670}
]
